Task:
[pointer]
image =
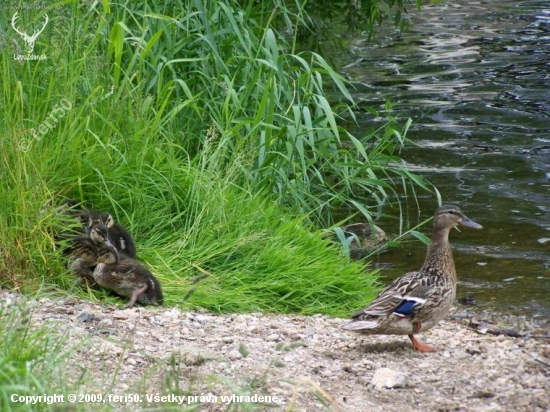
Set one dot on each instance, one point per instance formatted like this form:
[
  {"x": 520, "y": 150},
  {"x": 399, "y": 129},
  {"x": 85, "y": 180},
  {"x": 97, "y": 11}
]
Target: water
[{"x": 475, "y": 78}]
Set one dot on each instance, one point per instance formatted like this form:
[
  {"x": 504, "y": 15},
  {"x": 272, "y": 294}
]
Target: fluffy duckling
[
  {"x": 99, "y": 235},
  {"x": 120, "y": 238},
  {"x": 84, "y": 252},
  {"x": 127, "y": 277},
  {"x": 364, "y": 236},
  {"x": 83, "y": 257}
]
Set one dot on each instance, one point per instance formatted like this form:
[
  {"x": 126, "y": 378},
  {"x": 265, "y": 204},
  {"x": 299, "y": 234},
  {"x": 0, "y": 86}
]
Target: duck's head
[
  {"x": 449, "y": 216},
  {"x": 107, "y": 219},
  {"x": 95, "y": 218},
  {"x": 99, "y": 234}
]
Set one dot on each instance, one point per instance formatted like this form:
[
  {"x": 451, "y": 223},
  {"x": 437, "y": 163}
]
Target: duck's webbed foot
[
  {"x": 135, "y": 295},
  {"x": 421, "y": 347}
]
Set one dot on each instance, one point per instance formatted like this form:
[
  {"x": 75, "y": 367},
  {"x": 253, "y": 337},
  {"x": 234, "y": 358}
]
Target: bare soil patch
[{"x": 307, "y": 362}]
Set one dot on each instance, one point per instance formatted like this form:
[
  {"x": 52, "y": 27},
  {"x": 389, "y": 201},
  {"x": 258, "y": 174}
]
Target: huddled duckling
[
  {"x": 82, "y": 259},
  {"x": 100, "y": 235},
  {"x": 364, "y": 235},
  {"x": 127, "y": 277},
  {"x": 77, "y": 220},
  {"x": 84, "y": 252},
  {"x": 103, "y": 255},
  {"x": 363, "y": 238},
  {"x": 118, "y": 235}
]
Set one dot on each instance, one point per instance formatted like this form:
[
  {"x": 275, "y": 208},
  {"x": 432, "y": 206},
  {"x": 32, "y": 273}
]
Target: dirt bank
[{"x": 307, "y": 363}]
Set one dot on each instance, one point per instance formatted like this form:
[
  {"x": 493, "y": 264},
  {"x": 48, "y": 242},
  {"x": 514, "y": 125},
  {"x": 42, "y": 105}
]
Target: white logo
[{"x": 29, "y": 40}]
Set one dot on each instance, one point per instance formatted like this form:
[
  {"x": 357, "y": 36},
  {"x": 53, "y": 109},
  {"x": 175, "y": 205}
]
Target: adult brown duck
[{"x": 417, "y": 301}]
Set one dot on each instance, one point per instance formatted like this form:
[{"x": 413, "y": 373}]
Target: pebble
[
  {"x": 272, "y": 338},
  {"x": 234, "y": 355},
  {"x": 86, "y": 317},
  {"x": 388, "y": 378}
]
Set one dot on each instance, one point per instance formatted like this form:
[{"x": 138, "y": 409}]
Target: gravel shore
[{"x": 299, "y": 363}]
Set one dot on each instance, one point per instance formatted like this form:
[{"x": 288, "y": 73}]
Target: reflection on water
[{"x": 475, "y": 78}]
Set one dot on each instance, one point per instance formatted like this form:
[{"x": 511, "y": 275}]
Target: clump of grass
[
  {"x": 209, "y": 137},
  {"x": 30, "y": 359}
]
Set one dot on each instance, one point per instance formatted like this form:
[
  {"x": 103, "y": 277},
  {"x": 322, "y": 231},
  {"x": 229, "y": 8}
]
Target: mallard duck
[
  {"x": 118, "y": 235},
  {"x": 418, "y": 300},
  {"x": 127, "y": 277}
]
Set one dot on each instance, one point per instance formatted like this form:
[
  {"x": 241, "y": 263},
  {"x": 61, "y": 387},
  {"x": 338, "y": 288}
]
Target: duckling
[
  {"x": 84, "y": 252},
  {"x": 127, "y": 277},
  {"x": 363, "y": 239},
  {"x": 417, "y": 301},
  {"x": 99, "y": 234},
  {"x": 118, "y": 235},
  {"x": 82, "y": 259}
]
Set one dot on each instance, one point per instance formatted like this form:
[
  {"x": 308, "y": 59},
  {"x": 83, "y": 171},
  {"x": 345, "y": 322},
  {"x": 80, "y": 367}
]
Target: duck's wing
[
  {"x": 401, "y": 298},
  {"x": 122, "y": 240},
  {"x": 132, "y": 271}
]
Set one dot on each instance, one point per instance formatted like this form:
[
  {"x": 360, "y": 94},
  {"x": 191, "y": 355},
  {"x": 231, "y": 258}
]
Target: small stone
[
  {"x": 201, "y": 318},
  {"x": 192, "y": 358},
  {"x": 105, "y": 323},
  {"x": 388, "y": 378},
  {"x": 86, "y": 317},
  {"x": 117, "y": 350},
  {"x": 234, "y": 354},
  {"x": 273, "y": 337}
]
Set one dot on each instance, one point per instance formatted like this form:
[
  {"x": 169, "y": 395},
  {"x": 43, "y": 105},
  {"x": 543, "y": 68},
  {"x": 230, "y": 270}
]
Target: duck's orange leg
[{"x": 419, "y": 346}]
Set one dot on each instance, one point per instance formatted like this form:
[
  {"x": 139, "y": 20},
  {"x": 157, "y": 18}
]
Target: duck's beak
[{"x": 469, "y": 223}]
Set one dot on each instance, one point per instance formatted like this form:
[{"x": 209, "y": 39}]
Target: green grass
[
  {"x": 210, "y": 137},
  {"x": 30, "y": 359}
]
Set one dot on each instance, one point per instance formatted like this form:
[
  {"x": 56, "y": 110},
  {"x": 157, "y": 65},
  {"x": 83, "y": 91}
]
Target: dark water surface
[{"x": 475, "y": 78}]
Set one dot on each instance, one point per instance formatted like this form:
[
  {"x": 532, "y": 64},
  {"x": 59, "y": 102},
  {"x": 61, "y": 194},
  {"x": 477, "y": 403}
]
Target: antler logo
[{"x": 29, "y": 40}]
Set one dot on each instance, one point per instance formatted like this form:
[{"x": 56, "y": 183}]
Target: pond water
[{"x": 475, "y": 78}]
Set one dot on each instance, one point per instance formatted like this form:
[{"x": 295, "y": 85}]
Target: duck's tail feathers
[{"x": 360, "y": 325}]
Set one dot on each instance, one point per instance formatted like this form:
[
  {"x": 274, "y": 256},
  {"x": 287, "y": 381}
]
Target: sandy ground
[{"x": 297, "y": 363}]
